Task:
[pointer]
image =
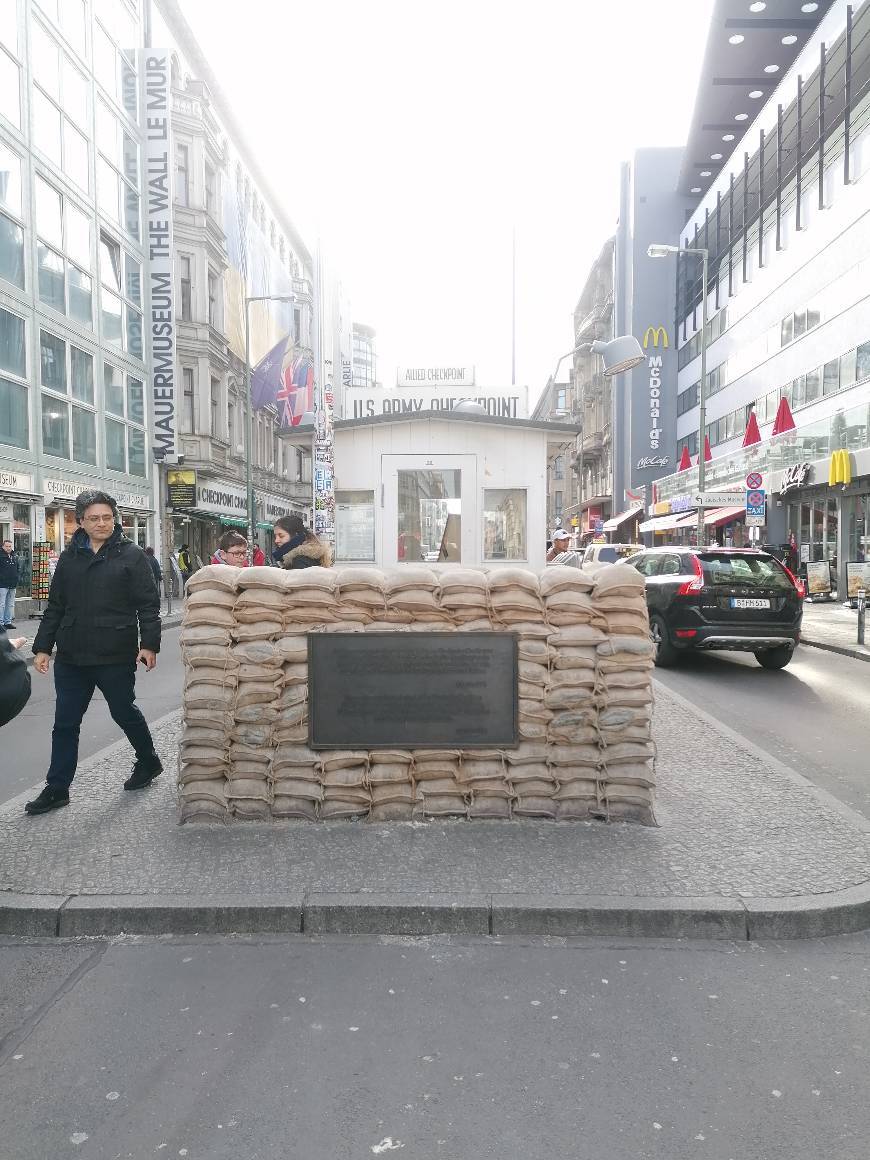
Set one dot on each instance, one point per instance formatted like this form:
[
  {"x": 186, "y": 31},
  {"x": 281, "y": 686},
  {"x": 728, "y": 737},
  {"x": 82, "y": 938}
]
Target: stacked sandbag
[
  {"x": 209, "y": 694},
  {"x": 624, "y": 696},
  {"x": 584, "y": 696}
]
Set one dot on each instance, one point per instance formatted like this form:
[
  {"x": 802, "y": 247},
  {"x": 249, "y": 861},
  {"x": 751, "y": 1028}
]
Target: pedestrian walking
[
  {"x": 14, "y": 678},
  {"x": 297, "y": 546},
  {"x": 232, "y": 549},
  {"x": 9, "y": 573},
  {"x": 155, "y": 567},
  {"x": 103, "y": 613},
  {"x": 185, "y": 565},
  {"x": 259, "y": 558}
]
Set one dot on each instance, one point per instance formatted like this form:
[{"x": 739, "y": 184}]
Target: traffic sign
[
  {"x": 756, "y": 508},
  {"x": 714, "y": 499},
  {"x": 754, "y": 480}
]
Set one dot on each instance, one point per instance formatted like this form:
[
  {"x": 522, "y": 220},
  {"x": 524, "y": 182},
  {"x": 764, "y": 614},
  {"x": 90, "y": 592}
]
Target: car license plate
[{"x": 749, "y": 602}]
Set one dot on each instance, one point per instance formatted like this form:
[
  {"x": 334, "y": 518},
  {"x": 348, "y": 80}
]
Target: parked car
[
  {"x": 609, "y": 553},
  {"x": 736, "y": 599}
]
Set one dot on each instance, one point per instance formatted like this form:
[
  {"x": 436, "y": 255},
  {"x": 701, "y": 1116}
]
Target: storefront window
[
  {"x": 430, "y": 516},
  {"x": 504, "y": 524},
  {"x": 355, "y": 525},
  {"x": 21, "y": 540}
]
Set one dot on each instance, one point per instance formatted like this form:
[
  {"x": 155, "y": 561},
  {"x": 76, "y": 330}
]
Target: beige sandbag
[
  {"x": 215, "y": 698},
  {"x": 489, "y": 808},
  {"x": 531, "y": 629},
  {"x": 343, "y": 759},
  {"x": 534, "y": 787},
  {"x": 532, "y": 730},
  {"x": 534, "y": 771},
  {"x": 537, "y": 674},
  {"x": 564, "y": 758},
  {"x": 491, "y": 787},
  {"x": 198, "y": 810},
  {"x": 503, "y": 600},
  {"x": 207, "y": 656},
  {"x": 579, "y": 603},
  {"x": 297, "y": 733},
  {"x": 266, "y": 598},
  {"x": 255, "y": 693},
  {"x": 392, "y": 812},
  {"x": 534, "y": 711},
  {"x": 409, "y": 576},
  {"x": 438, "y": 787},
  {"x": 441, "y": 807},
  {"x": 612, "y": 578},
  {"x": 191, "y": 773},
  {"x": 292, "y": 695},
  {"x": 297, "y": 788},
  {"x": 577, "y": 635},
  {"x": 199, "y": 634},
  {"x": 248, "y": 810},
  {"x": 309, "y": 580},
  {"x": 262, "y": 714},
  {"x": 295, "y": 674},
  {"x": 254, "y": 788},
  {"x": 509, "y": 579},
  {"x": 578, "y": 809},
  {"x": 292, "y": 715},
  {"x": 292, "y": 649},
  {"x": 342, "y": 811},
  {"x": 573, "y": 679},
  {"x": 264, "y": 630},
  {"x": 534, "y": 806},
  {"x": 262, "y": 577},
  {"x": 580, "y": 787},
  {"x": 527, "y": 753},
  {"x": 290, "y": 807},
  {"x": 254, "y": 736},
  {"x": 214, "y": 576},
  {"x": 475, "y": 769},
  {"x": 270, "y": 617},
  {"x": 386, "y": 773},
  {"x": 531, "y": 692},
  {"x": 392, "y": 792},
  {"x": 357, "y": 576},
  {"x": 462, "y": 579},
  {"x": 211, "y": 598},
  {"x": 404, "y": 756},
  {"x": 354, "y": 776},
  {"x": 572, "y": 697},
  {"x": 203, "y": 755},
  {"x": 209, "y": 614},
  {"x": 296, "y": 757},
  {"x": 562, "y": 577}
]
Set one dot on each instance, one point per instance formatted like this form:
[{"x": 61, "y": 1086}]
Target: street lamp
[
  {"x": 249, "y": 418},
  {"x": 657, "y": 250},
  {"x": 618, "y": 355}
]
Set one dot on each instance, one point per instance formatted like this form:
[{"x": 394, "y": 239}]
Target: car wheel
[
  {"x": 775, "y": 658},
  {"x": 666, "y": 654}
]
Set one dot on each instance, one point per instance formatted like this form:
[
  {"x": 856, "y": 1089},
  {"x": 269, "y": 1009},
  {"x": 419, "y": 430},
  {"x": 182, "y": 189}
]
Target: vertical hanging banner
[
  {"x": 155, "y": 112},
  {"x": 324, "y": 464}
]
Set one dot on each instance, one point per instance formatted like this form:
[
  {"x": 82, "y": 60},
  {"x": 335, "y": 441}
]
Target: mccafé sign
[{"x": 655, "y": 335}]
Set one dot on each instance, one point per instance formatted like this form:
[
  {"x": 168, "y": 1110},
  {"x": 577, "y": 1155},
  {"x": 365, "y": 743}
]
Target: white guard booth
[{"x": 443, "y": 487}]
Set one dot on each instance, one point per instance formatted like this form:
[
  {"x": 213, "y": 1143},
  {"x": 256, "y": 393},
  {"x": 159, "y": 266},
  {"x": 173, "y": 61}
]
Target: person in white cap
[{"x": 561, "y": 543}]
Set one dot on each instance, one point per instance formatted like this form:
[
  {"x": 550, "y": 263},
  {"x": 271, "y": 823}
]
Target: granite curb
[
  {"x": 857, "y": 653},
  {"x": 733, "y": 919}
]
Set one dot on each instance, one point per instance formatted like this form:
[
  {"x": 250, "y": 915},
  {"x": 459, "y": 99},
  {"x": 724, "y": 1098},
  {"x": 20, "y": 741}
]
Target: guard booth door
[{"x": 429, "y": 509}]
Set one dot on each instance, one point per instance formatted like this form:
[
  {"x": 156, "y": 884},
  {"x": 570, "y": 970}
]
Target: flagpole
[{"x": 514, "y": 306}]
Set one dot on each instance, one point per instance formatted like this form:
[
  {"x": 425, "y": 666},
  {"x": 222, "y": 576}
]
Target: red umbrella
[
  {"x": 685, "y": 460},
  {"x": 708, "y": 454},
  {"x": 753, "y": 435},
  {"x": 784, "y": 420}
]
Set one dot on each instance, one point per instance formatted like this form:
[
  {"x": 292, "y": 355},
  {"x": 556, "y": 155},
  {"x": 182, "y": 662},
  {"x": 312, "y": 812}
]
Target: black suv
[{"x": 738, "y": 599}]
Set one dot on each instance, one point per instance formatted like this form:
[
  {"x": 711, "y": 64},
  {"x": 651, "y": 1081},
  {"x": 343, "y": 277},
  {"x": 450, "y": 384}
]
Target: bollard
[{"x": 862, "y": 608}]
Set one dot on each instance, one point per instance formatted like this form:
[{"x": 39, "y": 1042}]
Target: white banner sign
[
  {"x": 156, "y": 117},
  {"x": 223, "y": 499},
  {"x": 364, "y": 402},
  {"x": 435, "y": 377},
  {"x": 15, "y": 481}
]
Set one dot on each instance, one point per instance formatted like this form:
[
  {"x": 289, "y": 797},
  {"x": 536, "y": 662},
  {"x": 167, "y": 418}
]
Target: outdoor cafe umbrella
[
  {"x": 753, "y": 435},
  {"x": 685, "y": 460},
  {"x": 784, "y": 420}
]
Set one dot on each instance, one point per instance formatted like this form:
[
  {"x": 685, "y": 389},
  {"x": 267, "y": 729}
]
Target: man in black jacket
[
  {"x": 9, "y": 571},
  {"x": 103, "y": 613}
]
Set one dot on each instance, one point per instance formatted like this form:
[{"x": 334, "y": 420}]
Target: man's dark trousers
[{"x": 74, "y": 685}]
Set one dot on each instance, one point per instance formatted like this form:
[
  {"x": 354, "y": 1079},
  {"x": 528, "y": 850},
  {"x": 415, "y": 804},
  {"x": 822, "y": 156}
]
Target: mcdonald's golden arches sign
[
  {"x": 655, "y": 335},
  {"x": 840, "y": 470}
]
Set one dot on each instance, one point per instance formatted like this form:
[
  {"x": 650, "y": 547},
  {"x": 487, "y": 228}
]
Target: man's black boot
[
  {"x": 144, "y": 772},
  {"x": 51, "y": 798}
]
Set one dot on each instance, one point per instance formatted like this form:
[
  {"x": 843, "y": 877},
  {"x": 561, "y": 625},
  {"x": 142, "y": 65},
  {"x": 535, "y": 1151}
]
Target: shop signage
[
  {"x": 275, "y": 506},
  {"x": 857, "y": 578},
  {"x": 819, "y": 578},
  {"x": 649, "y": 461},
  {"x": 5, "y": 512},
  {"x": 222, "y": 499},
  {"x": 63, "y": 488},
  {"x": 181, "y": 488},
  {"x": 655, "y": 335},
  {"x": 69, "y": 489},
  {"x": 794, "y": 477},
  {"x": 756, "y": 508},
  {"x": 682, "y": 503},
  {"x": 158, "y": 160},
  {"x": 712, "y": 499},
  {"x": 132, "y": 499},
  {"x": 435, "y": 376},
  {"x": 840, "y": 470},
  {"x": 363, "y": 403},
  {"x": 15, "y": 481}
]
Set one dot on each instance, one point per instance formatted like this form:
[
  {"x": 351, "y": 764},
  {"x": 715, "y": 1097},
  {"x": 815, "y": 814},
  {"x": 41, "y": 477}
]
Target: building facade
[
  {"x": 73, "y": 406},
  {"x": 365, "y": 360},
  {"x": 786, "y": 220},
  {"x": 233, "y": 240},
  {"x": 557, "y": 405}
]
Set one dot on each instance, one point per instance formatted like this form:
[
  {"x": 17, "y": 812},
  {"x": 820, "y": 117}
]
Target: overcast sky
[{"x": 414, "y": 136}]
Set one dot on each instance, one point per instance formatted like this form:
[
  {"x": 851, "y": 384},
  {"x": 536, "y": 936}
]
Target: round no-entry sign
[
  {"x": 754, "y": 498},
  {"x": 754, "y": 480}
]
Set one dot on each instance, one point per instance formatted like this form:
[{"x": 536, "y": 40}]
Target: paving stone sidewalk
[
  {"x": 833, "y": 626},
  {"x": 732, "y": 825}
]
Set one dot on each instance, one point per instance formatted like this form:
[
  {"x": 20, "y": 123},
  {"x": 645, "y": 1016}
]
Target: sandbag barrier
[{"x": 585, "y": 696}]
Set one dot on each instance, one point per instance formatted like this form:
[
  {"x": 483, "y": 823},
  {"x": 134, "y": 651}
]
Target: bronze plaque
[{"x": 413, "y": 690}]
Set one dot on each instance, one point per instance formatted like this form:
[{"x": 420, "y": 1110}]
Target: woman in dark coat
[
  {"x": 298, "y": 547},
  {"x": 155, "y": 567}
]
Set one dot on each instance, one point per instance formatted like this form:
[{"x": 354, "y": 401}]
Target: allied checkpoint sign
[{"x": 413, "y": 690}]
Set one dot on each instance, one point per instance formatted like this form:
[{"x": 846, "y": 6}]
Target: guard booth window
[{"x": 430, "y": 516}]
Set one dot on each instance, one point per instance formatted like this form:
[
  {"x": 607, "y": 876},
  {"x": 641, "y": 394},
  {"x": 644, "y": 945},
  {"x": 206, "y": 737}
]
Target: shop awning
[
  {"x": 719, "y": 516},
  {"x": 661, "y": 523},
  {"x": 231, "y": 522},
  {"x": 613, "y": 523}
]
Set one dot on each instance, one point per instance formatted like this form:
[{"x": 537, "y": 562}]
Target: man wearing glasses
[{"x": 103, "y": 613}]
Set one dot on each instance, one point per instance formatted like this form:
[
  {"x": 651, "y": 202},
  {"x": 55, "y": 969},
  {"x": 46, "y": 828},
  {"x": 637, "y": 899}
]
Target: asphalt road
[
  {"x": 25, "y": 743},
  {"x": 813, "y": 715},
  {"x": 228, "y": 1049}
]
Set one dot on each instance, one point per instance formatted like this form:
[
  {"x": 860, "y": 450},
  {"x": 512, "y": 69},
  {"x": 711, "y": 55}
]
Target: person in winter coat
[
  {"x": 297, "y": 547},
  {"x": 9, "y": 572},
  {"x": 259, "y": 558},
  {"x": 103, "y": 613},
  {"x": 232, "y": 549},
  {"x": 155, "y": 567},
  {"x": 185, "y": 565},
  {"x": 14, "y": 678}
]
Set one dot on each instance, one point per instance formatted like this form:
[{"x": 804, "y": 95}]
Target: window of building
[
  {"x": 124, "y": 404},
  {"x": 11, "y": 231},
  {"x": 184, "y": 265},
  {"x": 355, "y": 526},
  {"x": 559, "y": 467},
  {"x": 182, "y": 174},
  {"x": 504, "y": 524},
  {"x": 189, "y": 414},
  {"x": 559, "y": 398},
  {"x": 63, "y": 253},
  {"x": 211, "y": 198},
  {"x": 215, "y": 408},
  {"x": 114, "y": 40},
  {"x": 557, "y": 505},
  {"x": 213, "y": 310},
  {"x": 13, "y": 352},
  {"x": 120, "y": 296},
  {"x": 831, "y": 377},
  {"x": 9, "y": 25},
  {"x": 117, "y": 170},
  {"x": 430, "y": 515},
  {"x": 10, "y": 89},
  {"x": 862, "y": 368},
  {"x": 60, "y": 103},
  {"x": 66, "y": 376}
]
